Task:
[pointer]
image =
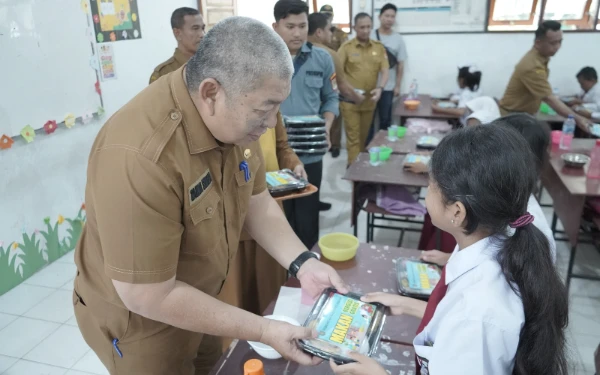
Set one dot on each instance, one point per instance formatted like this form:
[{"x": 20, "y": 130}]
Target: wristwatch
[{"x": 302, "y": 258}]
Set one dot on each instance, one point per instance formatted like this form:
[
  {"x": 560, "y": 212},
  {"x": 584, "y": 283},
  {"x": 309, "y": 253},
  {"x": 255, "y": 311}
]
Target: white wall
[
  {"x": 47, "y": 177},
  {"x": 433, "y": 58}
]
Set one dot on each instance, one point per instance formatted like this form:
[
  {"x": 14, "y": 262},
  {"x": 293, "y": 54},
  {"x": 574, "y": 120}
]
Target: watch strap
[{"x": 302, "y": 258}]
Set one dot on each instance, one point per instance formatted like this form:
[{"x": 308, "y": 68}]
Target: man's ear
[
  {"x": 207, "y": 94},
  {"x": 177, "y": 34}
]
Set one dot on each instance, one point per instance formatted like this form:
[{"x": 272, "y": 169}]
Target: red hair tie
[{"x": 522, "y": 221}]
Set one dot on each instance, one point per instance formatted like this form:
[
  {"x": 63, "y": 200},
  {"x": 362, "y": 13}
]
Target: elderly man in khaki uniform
[
  {"x": 529, "y": 87},
  {"x": 363, "y": 60},
  {"x": 172, "y": 178},
  {"x": 336, "y": 38},
  {"x": 188, "y": 29}
]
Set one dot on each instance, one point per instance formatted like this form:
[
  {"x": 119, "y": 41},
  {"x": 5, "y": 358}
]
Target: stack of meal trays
[{"x": 307, "y": 135}]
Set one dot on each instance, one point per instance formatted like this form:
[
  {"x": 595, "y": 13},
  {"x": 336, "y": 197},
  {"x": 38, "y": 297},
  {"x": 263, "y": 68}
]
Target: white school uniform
[
  {"x": 463, "y": 96},
  {"x": 591, "y": 100},
  {"x": 485, "y": 109},
  {"x": 475, "y": 329}
]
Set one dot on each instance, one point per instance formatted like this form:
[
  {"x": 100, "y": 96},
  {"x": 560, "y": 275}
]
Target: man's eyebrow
[{"x": 271, "y": 102}]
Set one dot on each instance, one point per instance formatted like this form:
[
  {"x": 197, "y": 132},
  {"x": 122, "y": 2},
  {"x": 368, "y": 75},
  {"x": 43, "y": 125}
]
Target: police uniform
[
  {"x": 178, "y": 60},
  {"x": 255, "y": 277},
  {"x": 164, "y": 199},
  {"x": 528, "y": 85},
  {"x": 362, "y": 64}
]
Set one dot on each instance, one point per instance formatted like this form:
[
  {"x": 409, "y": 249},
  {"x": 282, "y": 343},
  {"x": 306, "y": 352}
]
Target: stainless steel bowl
[{"x": 575, "y": 160}]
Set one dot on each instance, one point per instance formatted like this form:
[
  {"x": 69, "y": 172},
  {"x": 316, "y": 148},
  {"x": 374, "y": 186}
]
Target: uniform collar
[
  {"x": 359, "y": 44},
  {"x": 181, "y": 57},
  {"x": 199, "y": 138},
  {"x": 305, "y": 48},
  {"x": 469, "y": 258},
  {"x": 545, "y": 60}
]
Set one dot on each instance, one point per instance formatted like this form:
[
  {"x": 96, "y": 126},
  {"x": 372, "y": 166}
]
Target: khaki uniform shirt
[
  {"x": 337, "y": 62},
  {"x": 528, "y": 85},
  {"x": 164, "y": 198},
  {"x": 178, "y": 60},
  {"x": 362, "y": 64},
  {"x": 339, "y": 37}
]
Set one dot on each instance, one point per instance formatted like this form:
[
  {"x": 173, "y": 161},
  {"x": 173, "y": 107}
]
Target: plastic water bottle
[
  {"x": 568, "y": 131},
  {"x": 594, "y": 166},
  {"x": 413, "y": 92}
]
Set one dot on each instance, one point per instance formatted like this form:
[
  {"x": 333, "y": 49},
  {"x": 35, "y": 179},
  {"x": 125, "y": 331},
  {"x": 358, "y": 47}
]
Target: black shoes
[
  {"x": 324, "y": 206},
  {"x": 335, "y": 152}
]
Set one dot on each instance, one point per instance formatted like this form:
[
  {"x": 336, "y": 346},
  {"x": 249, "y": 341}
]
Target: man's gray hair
[{"x": 239, "y": 52}]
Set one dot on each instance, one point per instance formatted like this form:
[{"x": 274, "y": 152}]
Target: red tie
[{"x": 436, "y": 296}]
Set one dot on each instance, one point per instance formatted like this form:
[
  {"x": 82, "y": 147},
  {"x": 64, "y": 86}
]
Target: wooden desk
[
  {"x": 569, "y": 189},
  {"x": 404, "y": 145},
  {"x": 373, "y": 269},
  {"x": 424, "y": 110},
  {"x": 390, "y": 172},
  {"x": 397, "y": 358}
]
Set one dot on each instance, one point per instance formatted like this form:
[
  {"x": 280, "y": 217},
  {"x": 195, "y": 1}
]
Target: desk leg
[
  {"x": 570, "y": 269},
  {"x": 354, "y": 213}
]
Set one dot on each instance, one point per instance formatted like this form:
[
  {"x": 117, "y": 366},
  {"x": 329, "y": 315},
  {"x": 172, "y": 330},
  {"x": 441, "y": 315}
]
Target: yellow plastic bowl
[{"x": 339, "y": 247}]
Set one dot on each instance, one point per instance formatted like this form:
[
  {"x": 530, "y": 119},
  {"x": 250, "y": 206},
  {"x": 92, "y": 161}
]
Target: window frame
[
  {"x": 491, "y": 22},
  {"x": 339, "y": 25}
]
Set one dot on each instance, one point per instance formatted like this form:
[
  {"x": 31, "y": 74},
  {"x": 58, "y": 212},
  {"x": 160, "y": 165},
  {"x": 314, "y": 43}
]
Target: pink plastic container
[{"x": 556, "y": 137}]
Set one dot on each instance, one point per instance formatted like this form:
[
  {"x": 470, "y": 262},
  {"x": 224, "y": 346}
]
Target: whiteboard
[
  {"x": 434, "y": 16},
  {"x": 45, "y": 63}
]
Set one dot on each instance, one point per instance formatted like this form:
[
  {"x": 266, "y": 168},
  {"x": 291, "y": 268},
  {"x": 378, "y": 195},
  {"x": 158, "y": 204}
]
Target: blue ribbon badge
[{"x": 244, "y": 167}]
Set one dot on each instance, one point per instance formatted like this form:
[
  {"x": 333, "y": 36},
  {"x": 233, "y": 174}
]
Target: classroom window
[
  {"x": 214, "y": 11},
  {"x": 514, "y": 15},
  {"x": 574, "y": 14},
  {"x": 342, "y": 11},
  {"x": 523, "y": 15}
]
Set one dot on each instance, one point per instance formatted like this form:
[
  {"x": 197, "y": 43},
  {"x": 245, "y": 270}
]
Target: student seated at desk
[
  {"x": 469, "y": 79},
  {"x": 588, "y": 102},
  {"x": 500, "y": 306}
]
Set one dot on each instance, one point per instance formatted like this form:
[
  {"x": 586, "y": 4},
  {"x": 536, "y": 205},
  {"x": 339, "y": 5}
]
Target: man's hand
[
  {"x": 362, "y": 366},
  {"x": 283, "y": 338},
  {"x": 376, "y": 94},
  {"x": 316, "y": 276},
  {"x": 435, "y": 256},
  {"x": 300, "y": 171},
  {"x": 328, "y": 138},
  {"x": 397, "y": 91},
  {"x": 359, "y": 99},
  {"x": 416, "y": 167},
  {"x": 575, "y": 102},
  {"x": 583, "y": 124},
  {"x": 398, "y": 305}
]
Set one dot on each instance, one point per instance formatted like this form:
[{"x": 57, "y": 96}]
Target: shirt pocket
[
  {"x": 245, "y": 188},
  {"x": 353, "y": 64},
  {"x": 204, "y": 234},
  {"x": 314, "y": 85}
]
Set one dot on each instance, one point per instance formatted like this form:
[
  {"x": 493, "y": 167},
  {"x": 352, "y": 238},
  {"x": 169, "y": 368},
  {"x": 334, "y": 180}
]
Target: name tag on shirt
[{"x": 314, "y": 73}]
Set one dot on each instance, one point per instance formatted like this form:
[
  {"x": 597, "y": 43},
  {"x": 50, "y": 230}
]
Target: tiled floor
[{"x": 39, "y": 334}]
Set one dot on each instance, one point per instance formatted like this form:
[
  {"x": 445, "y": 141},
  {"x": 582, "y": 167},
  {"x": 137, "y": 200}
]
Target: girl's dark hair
[
  {"x": 488, "y": 169},
  {"x": 536, "y": 133},
  {"x": 471, "y": 80}
]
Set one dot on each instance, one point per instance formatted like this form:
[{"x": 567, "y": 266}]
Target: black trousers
[{"x": 303, "y": 213}]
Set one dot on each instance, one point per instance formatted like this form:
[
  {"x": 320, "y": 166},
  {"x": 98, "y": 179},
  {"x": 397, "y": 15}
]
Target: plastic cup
[
  {"x": 392, "y": 132},
  {"x": 556, "y": 134},
  {"x": 401, "y": 132},
  {"x": 374, "y": 154},
  {"x": 385, "y": 153}
]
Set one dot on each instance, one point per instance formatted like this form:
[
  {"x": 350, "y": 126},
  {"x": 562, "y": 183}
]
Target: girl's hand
[
  {"x": 363, "y": 366},
  {"x": 416, "y": 167},
  {"x": 398, "y": 304},
  {"x": 435, "y": 256}
]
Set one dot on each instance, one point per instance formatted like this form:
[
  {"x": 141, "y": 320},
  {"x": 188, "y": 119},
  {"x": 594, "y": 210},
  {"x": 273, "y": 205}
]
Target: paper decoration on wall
[
  {"x": 61, "y": 219},
  {"x": 94, "y": 62},
  {"x": 15, "y": 245},
  {"x": 50, "y": 127},
  {"x": 47, "y": 220},
  {"x": 107, "y": 62},
  {"x": 87, "y": 117},
  {"x": 100, "y": 111},
  {"x": 69, "y": 120},
  {"x": 6, "y": 142},
  {"x": 97, "y": 86},
  {"x": 84, "y": 6},
  {"x": 112, "y": 17},
  {"x": 28, "y": 133}
]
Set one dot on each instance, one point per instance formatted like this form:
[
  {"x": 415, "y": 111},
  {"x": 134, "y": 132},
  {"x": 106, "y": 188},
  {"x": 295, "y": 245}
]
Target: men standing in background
[
  {"x": 338, "y": 38},
  {"x": 188, "y": 29},
  {"x": 529, "y": 87},
  {"x": 320, "y": 34},
  {"x": 396, "y": 52},
  {"x": 363, "y": 60},
  {"x": 312, "y": 93}
]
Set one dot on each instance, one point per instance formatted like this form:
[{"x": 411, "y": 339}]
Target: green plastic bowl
[{"x": 385, "y": 153}]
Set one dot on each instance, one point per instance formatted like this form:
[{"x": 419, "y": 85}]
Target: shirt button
[
  {"x": 209, "y": 210},
  {"x": 174, "y": 116}
]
